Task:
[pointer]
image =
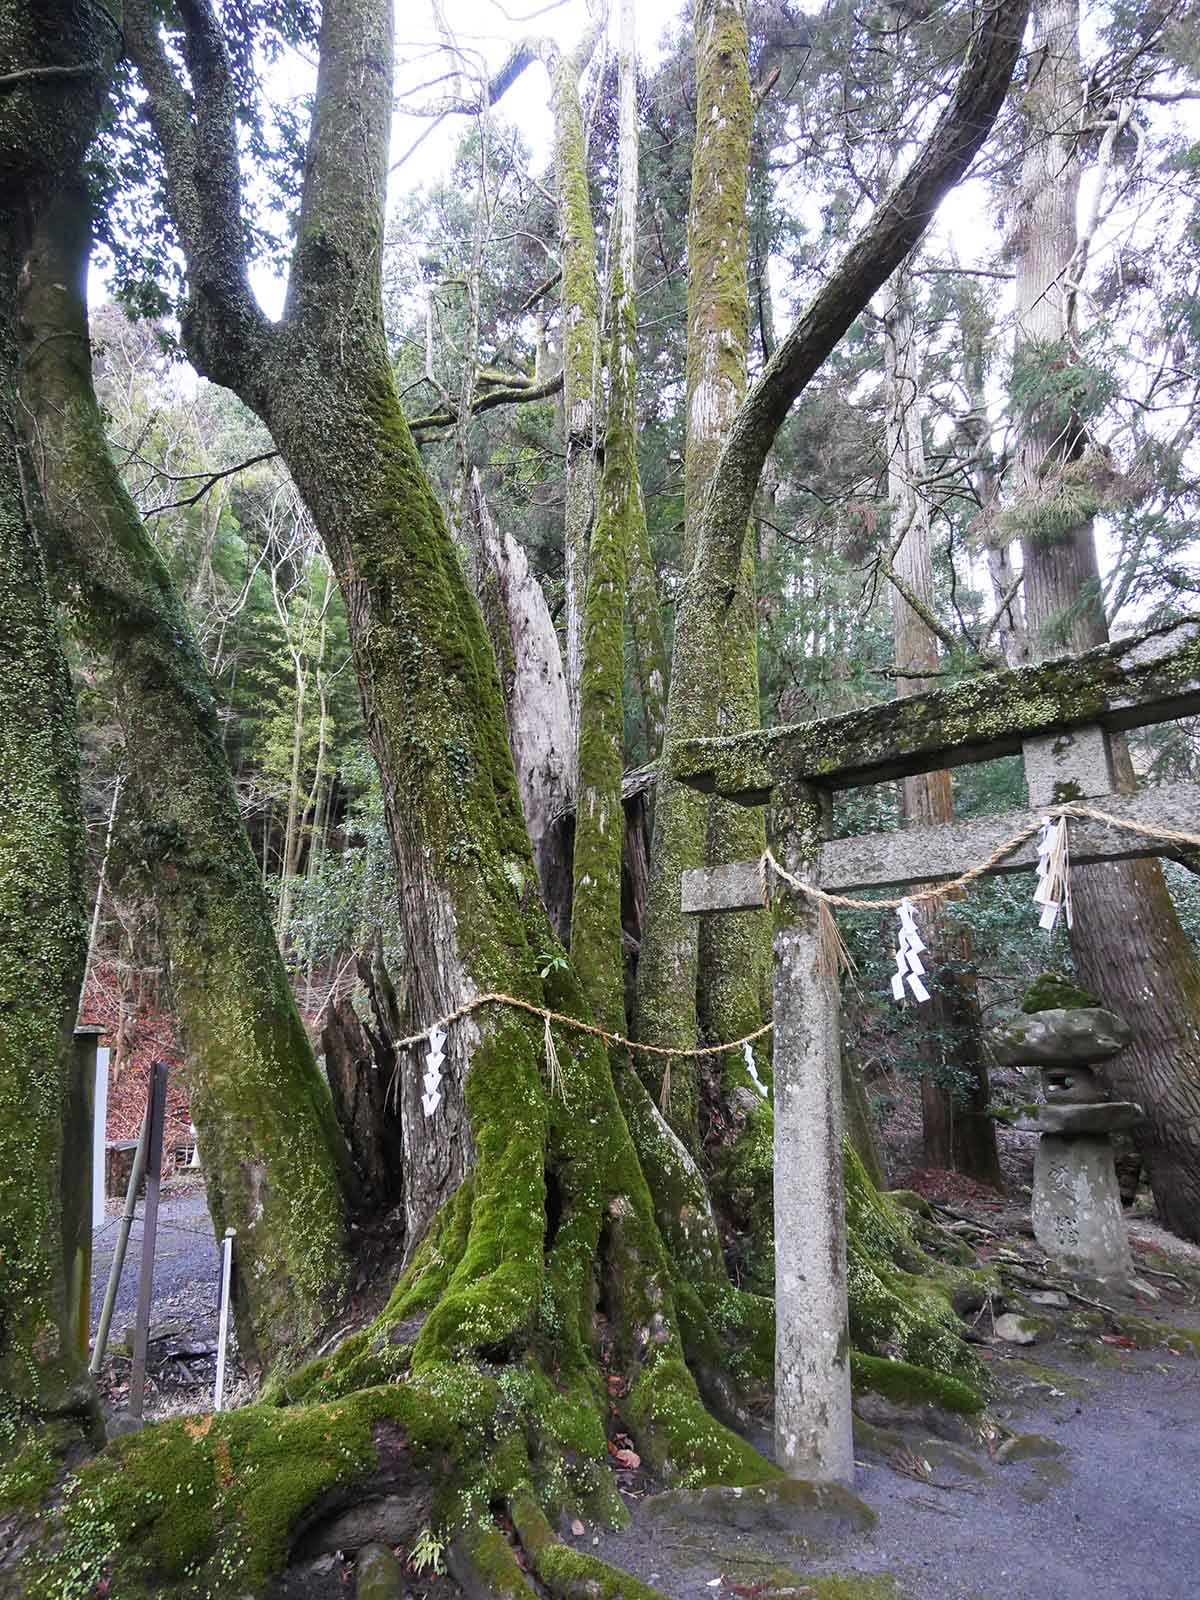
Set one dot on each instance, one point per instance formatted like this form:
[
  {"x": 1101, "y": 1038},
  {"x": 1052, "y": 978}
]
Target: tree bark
[
  {"x": 525, "y": 1191},
  {"x": 274, "y": 1158},
  {"x": 957, "y": 1130},
  {"x": 580, "y": 339},
  {"x": 482, "y": 1370},
  {"x": 596, "y": 947},
  {"x": 1127, "y": 942},
  {"x": 713, "y": 977}
]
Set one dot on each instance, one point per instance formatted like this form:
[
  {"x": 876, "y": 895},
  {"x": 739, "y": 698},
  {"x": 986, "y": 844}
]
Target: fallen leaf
[
  {"x": 628, "y": 1458},
  {"x": 1119, "y": 1339},
  {"x": 577, "y": 1528}
]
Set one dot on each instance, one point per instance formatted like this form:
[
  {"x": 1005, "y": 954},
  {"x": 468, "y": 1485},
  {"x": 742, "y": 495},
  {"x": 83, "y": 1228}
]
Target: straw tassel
[
  {"x": 553, "y": 1066},
  {"x": 833, "y": 955}
]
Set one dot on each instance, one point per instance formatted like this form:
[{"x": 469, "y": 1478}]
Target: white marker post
[{"x": 223, "y": 1328}]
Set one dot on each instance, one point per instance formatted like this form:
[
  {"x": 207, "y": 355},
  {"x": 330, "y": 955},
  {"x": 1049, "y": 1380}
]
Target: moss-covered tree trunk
[
  {"x": 57, "y": 59},
  {"x": 954, "y": 1082},
  {"x": 42, "y": 957},
  {"x": 596, "y": 948},
  {"x": 1127, "y": 941},
  {"x": 580, "y": 323},
  {"x": 543, "y": 1249},
  {"x": 518, "y": 1201},
  {"x": 274, "y": 1158},
  {"x": 713, "y": 978}
]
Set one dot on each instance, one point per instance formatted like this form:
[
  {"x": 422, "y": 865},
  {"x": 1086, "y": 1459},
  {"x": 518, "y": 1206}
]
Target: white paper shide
[
  {"x": 909, "y": 947},
  {"x": 748, "y": 1056},
  {"x": 433, "y": 1070},
  {"x": 1053, "y": 892}
]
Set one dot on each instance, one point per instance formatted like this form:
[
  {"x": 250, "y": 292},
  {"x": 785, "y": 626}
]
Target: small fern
[{"x": 427, "y": 1553}]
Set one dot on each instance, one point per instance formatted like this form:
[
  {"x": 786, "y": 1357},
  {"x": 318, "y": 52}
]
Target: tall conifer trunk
[
  {"x": 957, "y": 1131},
  {"x": 716, "y": 977},
  {"x": 1127, "y": 941},
  {"x": 596, "y": 948},
  {"x": 580, "y": 340}
]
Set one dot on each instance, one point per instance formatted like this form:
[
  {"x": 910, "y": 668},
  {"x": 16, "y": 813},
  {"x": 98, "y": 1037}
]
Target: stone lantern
[{"x": 1077, "y": 1217}]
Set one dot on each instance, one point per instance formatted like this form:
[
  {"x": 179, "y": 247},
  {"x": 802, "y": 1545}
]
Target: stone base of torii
[{"x": 1060, "y": 716}]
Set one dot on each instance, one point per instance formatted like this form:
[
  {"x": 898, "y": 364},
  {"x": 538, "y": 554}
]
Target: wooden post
[
  {"x": 156, "y": 1113},
  {"x": 78, "y": 1145},
  {"x": 813, "y": 1436}
]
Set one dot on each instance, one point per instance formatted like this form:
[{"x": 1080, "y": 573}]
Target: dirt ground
[{"x": 1080, "y": 1482}]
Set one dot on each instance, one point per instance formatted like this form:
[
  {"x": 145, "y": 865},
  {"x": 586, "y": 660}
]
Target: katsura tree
[
  {"x": 1127, "y": 941},
  {"x": 57, "y": 63},
  {"x": 547, "y": 1229},
  {"x": 274, "y": 1157}
]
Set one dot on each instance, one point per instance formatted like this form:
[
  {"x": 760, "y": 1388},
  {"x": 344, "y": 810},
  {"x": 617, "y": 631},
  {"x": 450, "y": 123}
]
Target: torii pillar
[
  {"x": 813, "y": 1424},
  {"x": 1059, "y": 716}
]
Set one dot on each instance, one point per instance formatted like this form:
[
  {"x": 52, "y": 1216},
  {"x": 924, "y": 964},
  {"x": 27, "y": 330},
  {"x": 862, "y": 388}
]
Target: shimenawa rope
[{"x": 825, "y": 900}]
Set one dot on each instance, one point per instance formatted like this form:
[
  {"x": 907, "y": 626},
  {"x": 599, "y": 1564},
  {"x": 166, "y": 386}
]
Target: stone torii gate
[{"x": 1059, "y": 716}]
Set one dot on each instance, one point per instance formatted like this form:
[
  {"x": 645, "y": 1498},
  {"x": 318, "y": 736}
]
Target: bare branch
[
  {"x": 541, "y": 290},
  {"x": 10, "y": 80},
  {"x": 211, "y": 479},
  {"x": 488, "y": 402}
]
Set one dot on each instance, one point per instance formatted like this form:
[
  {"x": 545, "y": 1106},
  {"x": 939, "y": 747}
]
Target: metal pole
[
  {"x": 141, "y": 1332},
  {"x": 223, "y": 1329},
  {"x": 118, "y": 1260}
]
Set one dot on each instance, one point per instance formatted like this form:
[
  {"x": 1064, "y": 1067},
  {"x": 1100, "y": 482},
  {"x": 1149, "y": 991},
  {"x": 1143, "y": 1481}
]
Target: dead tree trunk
[{"x": 540, "y": 732}]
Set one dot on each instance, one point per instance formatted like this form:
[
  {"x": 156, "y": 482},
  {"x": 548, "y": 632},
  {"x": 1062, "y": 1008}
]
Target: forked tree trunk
[
  {"x": 527, "y": 1194},
  {"x": 957, "y": 1130},
  {"x": 482, "y": 1371},
  {"x": 1128, "y": 945},
  {"x": 274, "y": 1158}
]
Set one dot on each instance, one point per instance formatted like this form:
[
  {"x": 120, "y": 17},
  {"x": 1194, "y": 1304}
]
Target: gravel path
[
  {"x": 1108, "y": 1512},
  {"x": 184, "y": 1309},
  {"x": 1105, "y": 1505},
  {"x": 185, "y": 1262}
]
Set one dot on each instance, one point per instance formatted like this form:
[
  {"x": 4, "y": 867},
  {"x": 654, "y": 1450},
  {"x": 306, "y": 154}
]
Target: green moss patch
[
  {"x": 900, "y": 1380},
  {"x": 1052, "y": 992}
]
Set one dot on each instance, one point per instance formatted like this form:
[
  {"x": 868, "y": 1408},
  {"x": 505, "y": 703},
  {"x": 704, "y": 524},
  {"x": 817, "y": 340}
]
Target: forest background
[{"x": 472, "y": 235}]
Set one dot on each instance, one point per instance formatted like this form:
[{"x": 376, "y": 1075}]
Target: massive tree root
[{"x": 554, "y": 1300}]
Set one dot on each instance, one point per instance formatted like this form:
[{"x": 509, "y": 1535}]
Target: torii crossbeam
[{"x": 1059, "y": 716}]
